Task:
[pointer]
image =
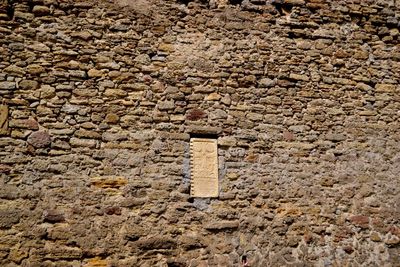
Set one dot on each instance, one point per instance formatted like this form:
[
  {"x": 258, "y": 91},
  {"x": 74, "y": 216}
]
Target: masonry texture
[{"x": 100, "y": 99}]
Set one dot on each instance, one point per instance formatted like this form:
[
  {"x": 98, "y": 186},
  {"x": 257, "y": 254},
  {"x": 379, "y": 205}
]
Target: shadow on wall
[{"x": 7, "y": 8}]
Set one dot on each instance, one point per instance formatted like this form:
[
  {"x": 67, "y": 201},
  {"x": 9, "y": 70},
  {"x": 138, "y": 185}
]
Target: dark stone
[
  {"x": 113, "y": 210},
  {"x": 39, "y": 139},
  {"x": 348, "y": 249},
  {"x": 5, "y": 168},
  {"x": 8, "y": 218},
  {"x": 53, "y": 216},
  {"x": 360, "y": 220},
  {"x": 161, "y": 242},
  {"x": 195, "y": 114}
]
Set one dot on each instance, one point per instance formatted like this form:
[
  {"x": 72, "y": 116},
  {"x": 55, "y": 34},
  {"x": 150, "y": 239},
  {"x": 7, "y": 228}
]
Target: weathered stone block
[
  {"x": 14, "y": 70},
  {"x": 78, "y": 142},
  {"x": 62, "y": 253},
  {"x": 385, "y": 88},
  {"x": 39, "y": 139},
  {"x": 109, "y": 181},
  {"x": 35, "y": 69},
  {"x": 28, "y": 84},
  {"x": 222, "y": 225},
  {"x": 7, "y": 85},
  {"x": 40, "y": 10},
  {"x": 53, "y": 216},
  {"x": 8, "y": 218},
  {"x": 158, "y": 242}
]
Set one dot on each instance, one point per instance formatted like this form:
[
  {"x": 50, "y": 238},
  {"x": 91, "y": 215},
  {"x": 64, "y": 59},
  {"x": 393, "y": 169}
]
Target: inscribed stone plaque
[
  {"x": 204, "y": 167},
  {"x": 3, "y": 119}
]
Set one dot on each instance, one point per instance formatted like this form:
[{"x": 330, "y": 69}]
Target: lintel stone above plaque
[{"x": 195, "y": 130}]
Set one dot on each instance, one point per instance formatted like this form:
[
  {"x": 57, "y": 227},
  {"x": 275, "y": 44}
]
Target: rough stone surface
[
  {"x": 39, "y": 139},
  {"x": 103, "y": 96}
]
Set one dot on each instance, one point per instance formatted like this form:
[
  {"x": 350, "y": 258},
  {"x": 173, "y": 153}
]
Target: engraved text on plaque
[{"x": 204, "y": 167}]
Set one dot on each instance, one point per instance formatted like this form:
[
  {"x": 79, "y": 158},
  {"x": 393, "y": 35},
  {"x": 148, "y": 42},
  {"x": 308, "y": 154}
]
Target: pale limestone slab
[
  {"x": 3, "y": 119},
  {"x": 204, "y": 167}
]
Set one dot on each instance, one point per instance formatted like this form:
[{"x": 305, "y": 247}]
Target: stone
[
  {"x": 218, "y": 114},
  {"x": 23, "y": 16},
  {"x": 112, "y": 118},
  {"x": 266, "y": 82},
  {"x": 35, "y": 69},
  {"x": 166, "y": 105},
  {"x": 63, "y": 253},
  {"x": 115, "y": 92},
  {"x": 70, "y": 109},
  {"x": 204, "y": 167},
  {"x": 157, "y": 242},
  {"x": 360, "y": 221},
  {"x": 8, "y": 218},
  {"x": 194, "y": 129},
  {"x": 7, "y": 85},
  {"x": 294, "y": 2},
  {"x": 374, "y": 236},
  {"x": 221, "y": 225},
  {"x": 104, "y": 182},
  {"x": 14, "y": 70},
  {"x": 112, "y": 137},
  {"x": 94, "y": 73},
  {"x": 30, "y": 124},
  {"x": 112, "y": 210},
  {"x": 288, "y": 136},
  {"x": 385, "y": 88},
  {"x": 299, "y": 77},
  {"x": 195, "y": 114},
  {"x": 392, "y": 241},
  {"x": 97, "y": 262},
  {"x": 79, "y": 142},
  {"x": 39, "y": 139},
  {"x": 28, "y": 84},
  {"x": 87, "y": 134},
  {"x": 40, "y": 10},
  {"x": 213, "y": 97},
  {"x": 47, "y": 91},
  {"x": 109, "y": 65},
  {"x": 335, "y": 137},
  {"x": 84, "y": 35},
  {"x": 53, "y": 216},
  {"x": 227, "y": 141},
  {"x": 78, "y": 74},
  {"x": 143, "y": 59},
  {"x": 39, "y": 47}
]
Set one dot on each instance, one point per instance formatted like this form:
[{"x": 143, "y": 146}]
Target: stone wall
[{"x": 102, "y": 99}]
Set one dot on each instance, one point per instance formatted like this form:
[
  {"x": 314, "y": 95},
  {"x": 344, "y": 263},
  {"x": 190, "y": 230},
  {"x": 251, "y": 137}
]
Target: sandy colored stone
[
  {"x": 35, "y": 69},
  {"x": 14, "y": 70},
  {"x": 47, "y": 91},
  {"x": 204, "y": 168},
  {"x": 94, "y": 73},
  {"x": 3, "y": 119},
  {"x": 109, "y": 181},
  {"x": 112, "y": 118}
]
